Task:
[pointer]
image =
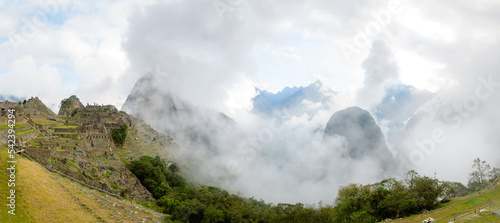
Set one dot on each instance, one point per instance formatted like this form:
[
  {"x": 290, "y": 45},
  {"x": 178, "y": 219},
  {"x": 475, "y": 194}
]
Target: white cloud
[
  {"x": 103, "y": 47},
  {"x": 239, "y": 97},
  {"x": 86, "y": 47},
  {"x": 420, "y": 72},
  {"x": 287, "y": 52},
  {"x": 26, "y": 78}
]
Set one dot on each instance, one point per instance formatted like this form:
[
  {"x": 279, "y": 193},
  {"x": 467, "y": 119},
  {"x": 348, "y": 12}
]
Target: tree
[
  {"x": 153, "y": 174},
  {"x": 424, "y": 190},
  {"x": 353, "y": 205},
  {"x": 460, "y": 189},
  {"x": 447, "y": 191},
  {"x": 478, "y": 178},
  {"x": 168, "y": 204},
  {"x": 73, "y": 112},
  {"x": 185, "y": 202},
  {"x": 494, "y": 174},
  {"x": 191, "y": 210},
  {"x": 161, "y": 190},
  {"x": 118, "y": 134},
  {"x": 397, "y": 200},
  {"x": 411, "y": 177},
  {"x": 213, "y": 215}
]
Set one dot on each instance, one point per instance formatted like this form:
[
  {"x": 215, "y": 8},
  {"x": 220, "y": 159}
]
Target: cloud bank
[{"x": 214, "y": 53}]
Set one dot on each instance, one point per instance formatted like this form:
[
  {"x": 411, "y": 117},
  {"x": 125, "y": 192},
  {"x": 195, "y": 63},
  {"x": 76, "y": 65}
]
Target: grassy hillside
[
  {"x": 42, "y": 196},
  {"x": 466, "y": 209}
]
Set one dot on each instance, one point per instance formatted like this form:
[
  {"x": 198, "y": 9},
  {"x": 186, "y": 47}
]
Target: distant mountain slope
[
  {"x": 148, "y": 100},
  {"x": 294, "y": 100},
  {"x": 266, "y": 101},
  {"x": 363, "y": 136},
  {"x": 400, "y": 103},
  {"x": 10, "y": 98}
]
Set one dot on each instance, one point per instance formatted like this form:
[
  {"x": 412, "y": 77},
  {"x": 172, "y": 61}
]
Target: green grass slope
[{"x": 482, "y": 206}]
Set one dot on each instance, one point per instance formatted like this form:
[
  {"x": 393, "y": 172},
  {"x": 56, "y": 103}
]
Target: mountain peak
[
  {"x": 364, "y": 137},
  {"x": 70, "y": 104},
  {"x": 172, "y": 115},
  {"x": 291, "y": 98},
  {"x": 317, "y": 84}
]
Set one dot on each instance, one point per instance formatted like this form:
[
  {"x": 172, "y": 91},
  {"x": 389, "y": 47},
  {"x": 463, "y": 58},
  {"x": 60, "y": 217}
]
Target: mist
[
  {"x": 205, "y": 64},
  {"x": 279, "y": 158},
  {"x": 455, "y": 127}
]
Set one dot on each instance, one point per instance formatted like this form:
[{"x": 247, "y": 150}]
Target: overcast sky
[
  {"x": 216, "y": 51},
  {"x": 213, "y": 53}
]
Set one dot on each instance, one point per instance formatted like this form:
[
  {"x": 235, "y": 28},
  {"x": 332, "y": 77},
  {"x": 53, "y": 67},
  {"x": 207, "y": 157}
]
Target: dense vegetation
[
  {"x": 119, "y": 134},
  {"x": 390, "y": 198},
  {"x": 482, "y": 176},
  {"x": 185, "y": 202}
]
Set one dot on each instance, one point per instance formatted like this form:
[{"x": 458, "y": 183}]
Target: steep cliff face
[
  {"x": 148, "y": 102},
  {"x": 171, "y": 115},
  {"x": 363, "y": 136}
]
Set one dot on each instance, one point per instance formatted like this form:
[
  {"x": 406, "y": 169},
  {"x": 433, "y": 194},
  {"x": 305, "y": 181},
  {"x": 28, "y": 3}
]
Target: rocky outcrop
[
  {"x": 126, "y": 180},
  {"x": 69, "y": 105},
  {"x": 363, "y": 136},
  {"x": 35, "y": 107}
]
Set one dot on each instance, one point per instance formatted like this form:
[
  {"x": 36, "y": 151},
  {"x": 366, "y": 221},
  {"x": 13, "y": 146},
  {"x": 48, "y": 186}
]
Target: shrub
[{"x": 119, "y": 135}]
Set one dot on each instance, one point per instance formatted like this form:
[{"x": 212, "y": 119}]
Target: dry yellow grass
[{"x": 42, "y": 196}]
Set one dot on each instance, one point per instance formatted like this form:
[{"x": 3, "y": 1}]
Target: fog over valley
[{"x": 284, "y": 101}]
